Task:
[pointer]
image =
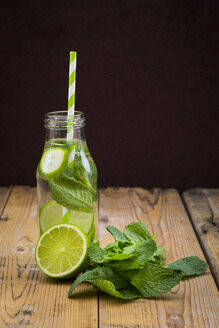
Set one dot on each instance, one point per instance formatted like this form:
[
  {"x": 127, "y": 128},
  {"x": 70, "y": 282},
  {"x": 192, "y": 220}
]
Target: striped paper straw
[
  {"x": 71, "y": 101},
  {"x": 71, "y": 110}
]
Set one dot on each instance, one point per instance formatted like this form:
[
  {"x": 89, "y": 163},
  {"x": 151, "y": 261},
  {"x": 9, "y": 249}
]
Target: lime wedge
[
  {"x": 53, "y": 163},
  {"x": 61, "y": 251},
  {"x": 52, "y": 213}
]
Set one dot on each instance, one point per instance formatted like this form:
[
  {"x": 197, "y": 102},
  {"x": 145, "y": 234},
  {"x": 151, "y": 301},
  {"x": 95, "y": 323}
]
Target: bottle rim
[{"x": 62, "y": 120}]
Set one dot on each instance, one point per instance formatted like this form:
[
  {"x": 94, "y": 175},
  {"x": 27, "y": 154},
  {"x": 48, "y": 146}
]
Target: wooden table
[{"x": 30, "y": 299}]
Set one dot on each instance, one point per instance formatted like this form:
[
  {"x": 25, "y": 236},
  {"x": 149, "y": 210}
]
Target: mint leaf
[
  {"x": 108, "y": 287},
  {"x": 117, "y": 234},
  {"x": 92, "y": 174},
  {"x": 157, "y": 259},
  {"x": 85, "y": 171},
  {"x": 154, "y": 279},
  {"x": 146, "y": 249},
  {"x": 117, "y": 257},
  {"x": 130, "y": 249},
  {"x": 113, "y": 247},
  {"x": 157, "y": 256},
  {"x": 190, "y": 266},
  {"x": 70, "y": 174},
  {"x": 100, "y": 255},
  {"x": 88, "y": 276},
  {"x": 160, "y": 250},
  {"x": 143, "y": 252},
  {"x": 71, "y": 194},
  {"x": 98, "y": 273},
  {"x": 96, "y": 253},
  {"x": 136, "y": 232}
]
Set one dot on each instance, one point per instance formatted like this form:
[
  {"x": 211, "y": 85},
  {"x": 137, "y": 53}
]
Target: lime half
[
  {"x": 52, "y": 213},
  {"x": 61, "y": 251},
  {"x": 53, "y": 163}
]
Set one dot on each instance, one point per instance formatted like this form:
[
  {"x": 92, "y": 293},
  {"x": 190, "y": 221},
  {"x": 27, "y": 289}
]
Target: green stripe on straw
[
  {"x": 72, "y": 78},
  {"x": 73, "y": 55},
  {"x": 71, "y": 101}
]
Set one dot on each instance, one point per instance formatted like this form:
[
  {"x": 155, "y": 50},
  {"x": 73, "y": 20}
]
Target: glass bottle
[{"x": 67, "y": 176}]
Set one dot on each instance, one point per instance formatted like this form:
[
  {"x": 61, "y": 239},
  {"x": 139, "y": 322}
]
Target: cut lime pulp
[
  {"x": 61, "y": 251},
  {"x": 53, "y": 163}
]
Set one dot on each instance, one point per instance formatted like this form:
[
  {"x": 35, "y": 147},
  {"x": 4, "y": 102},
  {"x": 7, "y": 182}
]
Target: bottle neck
[
  {"x": 62, "y": 126},
  {"x": 61, "y": 134}
]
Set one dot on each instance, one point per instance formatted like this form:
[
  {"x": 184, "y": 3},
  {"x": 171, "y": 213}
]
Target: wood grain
[
  {"x": 194, "y": 303},
  {"x": 4, "y": 195},
  {"x": 27, "y": 297},
  {"x": 203, "y": 209},
  {"x": 212, "y": 196}
]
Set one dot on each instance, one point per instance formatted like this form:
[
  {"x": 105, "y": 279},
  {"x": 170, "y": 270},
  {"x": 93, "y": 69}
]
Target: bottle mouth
[{"x": 62, "y": 120}]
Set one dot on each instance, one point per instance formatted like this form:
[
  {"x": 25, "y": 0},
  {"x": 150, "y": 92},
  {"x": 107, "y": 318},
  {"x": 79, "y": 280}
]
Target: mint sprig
[{"x": 132, "y": 266}]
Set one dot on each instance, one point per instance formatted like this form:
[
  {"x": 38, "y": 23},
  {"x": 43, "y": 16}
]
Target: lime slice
[
  {"x": 61, "y": 251},
  {"x": 83, "y": 220},
  {"x": 52, "y": 213},
  {"x": 53, "y": 163},
  {"x": 92, "y": 233}
]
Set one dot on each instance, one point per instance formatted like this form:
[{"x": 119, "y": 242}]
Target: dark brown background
[{"x": 147, "y": 80}]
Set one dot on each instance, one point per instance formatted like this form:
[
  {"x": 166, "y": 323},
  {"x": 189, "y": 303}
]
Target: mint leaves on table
[
  {"x": 96, "y": 253},
  {"x": 108, "y": 287},
  {"x": 137, "y": 232},
  {"x": 132, "y": 266},
  {"x": 108, "y": 281},
  {"x": 117, "y": 234},
  {"x": 154, "y": 279},
  {"x": 189, "y": 266}
]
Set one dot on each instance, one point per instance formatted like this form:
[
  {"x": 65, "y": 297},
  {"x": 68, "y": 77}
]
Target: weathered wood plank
[
  {"x": 27, "y": 297},
  {"x": 206, "y": 222},
  {"x": 4, "y": 194},
  {"x": 194, "y": 303},
  {"x": 212, "y": 196}
]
